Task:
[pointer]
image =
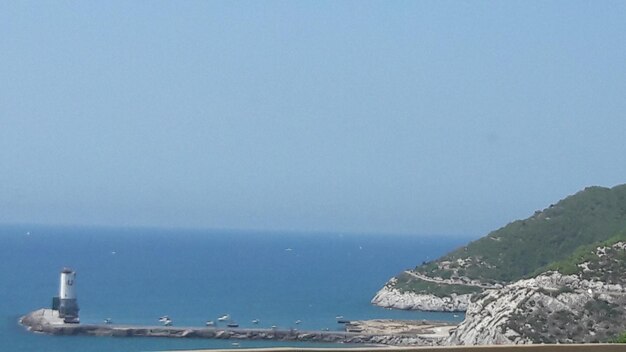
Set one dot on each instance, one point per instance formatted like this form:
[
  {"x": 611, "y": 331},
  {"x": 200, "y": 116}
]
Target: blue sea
[{"x": 134, "y": 276}]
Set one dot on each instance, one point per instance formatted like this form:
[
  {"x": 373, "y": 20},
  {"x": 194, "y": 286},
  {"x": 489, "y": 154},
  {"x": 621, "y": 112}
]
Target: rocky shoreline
[
  {"x": 550, "y": 308},
  {"x": 587, "y": 306},
  {"x": 390, "y": 297}
]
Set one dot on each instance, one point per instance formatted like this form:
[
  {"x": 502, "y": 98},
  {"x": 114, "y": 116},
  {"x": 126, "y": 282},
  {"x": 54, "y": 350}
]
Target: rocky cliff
[
  {"x": 391, "y": 297},
  {"x": 587, "y": 306}
]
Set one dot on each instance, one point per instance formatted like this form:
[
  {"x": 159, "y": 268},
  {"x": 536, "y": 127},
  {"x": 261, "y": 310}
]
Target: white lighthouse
[{"x": 68, "y": 306}]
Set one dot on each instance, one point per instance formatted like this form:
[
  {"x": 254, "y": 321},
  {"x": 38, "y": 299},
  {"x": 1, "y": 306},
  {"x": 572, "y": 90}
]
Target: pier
[{"x": 48, "y": 321}]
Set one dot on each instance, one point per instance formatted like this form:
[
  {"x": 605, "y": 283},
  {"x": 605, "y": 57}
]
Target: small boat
[
  {"x": 167, "y": 322},
  {"x": 273, "y": 327},
  {"x": 232, "y": 325},
  {"x": 339, "y": 317},
  {"x": 298, "y": 321},
  {"x": 255, "y": 321},
  {"x": 235, "y": 344},
  {"x": 108, "y": 321},
  {"x": 209, "y": 323},
  {"x": 224, "y": 317},
  {"x": 164, "y": 318}
]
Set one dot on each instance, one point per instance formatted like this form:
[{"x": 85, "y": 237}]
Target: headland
[{"x": 554, "y": 277}]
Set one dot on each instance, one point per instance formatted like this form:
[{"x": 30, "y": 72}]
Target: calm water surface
[{"x": 135, "y": 276}]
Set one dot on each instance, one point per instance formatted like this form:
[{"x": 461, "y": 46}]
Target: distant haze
[{"x": 417, "y": 117}]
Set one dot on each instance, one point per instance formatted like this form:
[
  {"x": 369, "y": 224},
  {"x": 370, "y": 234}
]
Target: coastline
[{"x": 390, "y": 297}]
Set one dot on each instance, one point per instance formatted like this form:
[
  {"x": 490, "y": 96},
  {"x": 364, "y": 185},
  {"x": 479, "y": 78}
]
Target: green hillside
[
  {"x": 606, "y": 265},
  {"x": 526, "y": 247}
]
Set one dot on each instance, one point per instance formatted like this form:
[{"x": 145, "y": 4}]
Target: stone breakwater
[
  {"x": 390, "y": 297},
  {"x": 47, "y": 321}
]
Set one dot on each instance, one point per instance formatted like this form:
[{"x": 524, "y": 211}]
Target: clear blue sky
[{"x": 420, "y": 117}]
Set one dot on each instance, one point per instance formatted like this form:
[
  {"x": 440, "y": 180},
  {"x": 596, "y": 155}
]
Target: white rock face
[
  {"x": 486, "y": 320},
  {"x": 389, "y": 297}
]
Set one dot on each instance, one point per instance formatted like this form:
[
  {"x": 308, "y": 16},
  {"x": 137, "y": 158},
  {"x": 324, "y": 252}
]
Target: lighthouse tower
[{"x": 68, "y": 306}]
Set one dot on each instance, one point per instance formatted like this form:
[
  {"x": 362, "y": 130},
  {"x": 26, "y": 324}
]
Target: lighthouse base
[{"x": 68, "y": 311}]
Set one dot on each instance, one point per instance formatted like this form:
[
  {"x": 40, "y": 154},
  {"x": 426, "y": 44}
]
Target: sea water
[{"x": 134, "y": 276}]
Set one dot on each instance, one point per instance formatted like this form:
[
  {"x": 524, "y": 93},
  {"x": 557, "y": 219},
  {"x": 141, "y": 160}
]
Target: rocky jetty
[
  {"x": 47, "y": 321},
  {"x": 391, "y": 297},
  {"x": 41, "y": 320}
]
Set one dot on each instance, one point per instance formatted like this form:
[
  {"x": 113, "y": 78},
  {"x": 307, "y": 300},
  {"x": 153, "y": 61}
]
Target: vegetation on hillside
[
  {"x": 584, "y": 234},
  {"x": 552, "y": 238},
  {"x": 576, "y": 314},
  {"x": 603, "y": 261},
  {"x": 596, "y": 321},
  {"x": 621, "y": 338},
  {"x": 409, "y": 283}
]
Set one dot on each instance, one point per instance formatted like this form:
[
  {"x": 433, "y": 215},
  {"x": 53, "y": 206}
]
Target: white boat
[
  {"x": 209, "y": 323},
  {"x": 298, "y": 321},
  {"x": 224, "y": 317},
  {"x": 167, "y": 322},
  {"x": 164, "y": 318},
  {"x": 255, "y": 321}
]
